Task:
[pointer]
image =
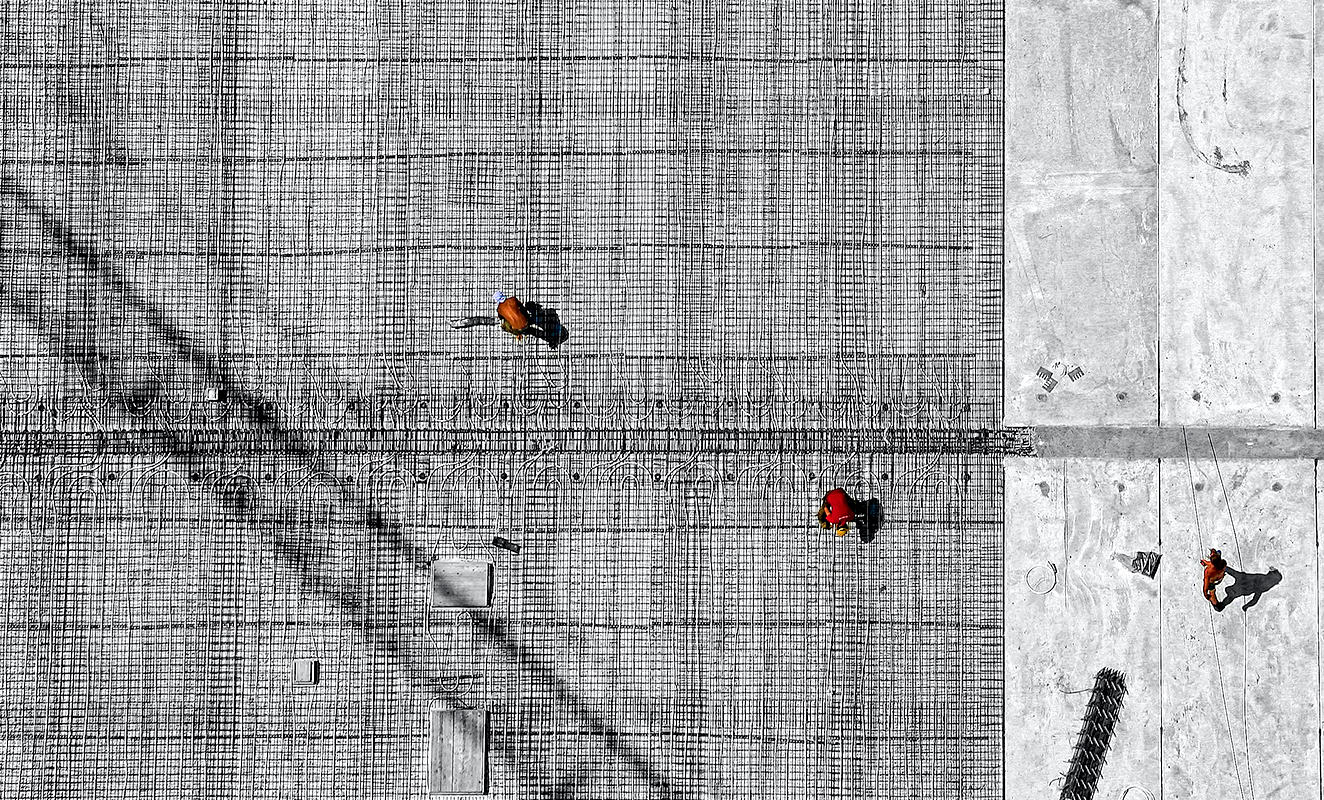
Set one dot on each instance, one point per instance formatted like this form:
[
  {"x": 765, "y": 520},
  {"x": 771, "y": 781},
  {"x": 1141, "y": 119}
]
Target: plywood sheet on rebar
[
  {"x": 459, "y": 583},
  {"x": 457, "y": 756}
]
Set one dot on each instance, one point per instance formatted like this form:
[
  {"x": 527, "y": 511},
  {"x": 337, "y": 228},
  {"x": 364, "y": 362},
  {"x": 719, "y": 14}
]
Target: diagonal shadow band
[{"x": 88, "y": 354}]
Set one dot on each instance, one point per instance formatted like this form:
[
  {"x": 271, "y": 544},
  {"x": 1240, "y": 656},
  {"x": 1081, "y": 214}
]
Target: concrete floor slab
[
  {"x": 1236, "y": 287},
  {"x": 1082, "y": 218},
  {"x": 1240, "y": 687},
  {"x": 1083, "y": 77},
  {"x": 1318, "y": 198},
  {"x": 1233, "y": 696},
  {"x": 1142, "y": 443},
  {"x": 1083, "y": 292},
  {"x": 1073, "y": 609}
]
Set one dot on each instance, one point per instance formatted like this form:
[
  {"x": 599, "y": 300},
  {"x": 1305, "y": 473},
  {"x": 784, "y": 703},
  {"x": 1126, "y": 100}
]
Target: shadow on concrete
[
  {"x": 76, "y": 336},
  {"x": 1249, "y": 584}
]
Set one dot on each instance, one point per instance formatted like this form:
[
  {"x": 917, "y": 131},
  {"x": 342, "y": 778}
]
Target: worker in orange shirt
[
  {"x": 514, "y": 316},
  {"x": 840, "y": 509},
  {"x": 1215, "y": 569},
  {"x": 531, "y": 320}
]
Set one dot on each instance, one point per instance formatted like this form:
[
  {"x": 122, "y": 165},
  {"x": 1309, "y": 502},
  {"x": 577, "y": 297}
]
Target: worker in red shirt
[
  {"x": 840, "y": 509},
  {"x": 1215, "y": 569}
]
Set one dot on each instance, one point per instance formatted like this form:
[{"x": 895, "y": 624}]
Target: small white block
[
  {"x": 214, "y": 394},
  {"x": 306, "y": 671}
]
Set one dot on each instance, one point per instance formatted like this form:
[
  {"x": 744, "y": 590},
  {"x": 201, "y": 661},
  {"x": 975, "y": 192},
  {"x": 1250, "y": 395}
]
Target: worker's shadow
[
  {"x": 1249, "y": 584},
  {"x": 545, "y": 324}
]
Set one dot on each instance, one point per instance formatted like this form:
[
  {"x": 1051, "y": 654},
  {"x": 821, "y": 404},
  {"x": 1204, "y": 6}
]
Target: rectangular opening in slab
[
  {"x": 457, "y": 752},
  {"x": 462, "y": 584}
]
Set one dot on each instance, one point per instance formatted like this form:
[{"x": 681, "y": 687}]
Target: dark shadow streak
[
  {"x": 563, "y": 789},
  {"x": 88, "y": 355}
]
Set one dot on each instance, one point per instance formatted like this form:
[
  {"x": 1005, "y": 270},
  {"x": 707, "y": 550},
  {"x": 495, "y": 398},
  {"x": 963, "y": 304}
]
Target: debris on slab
[{"x": 1143, "y": 562}]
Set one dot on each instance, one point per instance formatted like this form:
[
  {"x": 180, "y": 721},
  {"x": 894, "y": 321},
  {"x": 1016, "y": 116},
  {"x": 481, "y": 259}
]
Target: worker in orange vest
[
  {"x": 840, "y": 509},
  {"x": 1215, "y": 569},
  {"x": 514, "y": 316},
  {"x": 531, "y": 320}
]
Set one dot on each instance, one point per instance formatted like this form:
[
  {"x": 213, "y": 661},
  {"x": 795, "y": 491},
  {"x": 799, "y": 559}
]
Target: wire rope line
[
  {"x": 1227, "y": 714},
  {"x": 1245, "y": 622}
]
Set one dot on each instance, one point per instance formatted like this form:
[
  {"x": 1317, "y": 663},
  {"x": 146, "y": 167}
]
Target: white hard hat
[{"x": 500, "y": 297}]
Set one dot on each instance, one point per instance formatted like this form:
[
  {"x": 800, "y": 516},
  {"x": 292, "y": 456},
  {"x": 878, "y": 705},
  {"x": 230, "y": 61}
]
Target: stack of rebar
[{"x": 1096, "y": 735}]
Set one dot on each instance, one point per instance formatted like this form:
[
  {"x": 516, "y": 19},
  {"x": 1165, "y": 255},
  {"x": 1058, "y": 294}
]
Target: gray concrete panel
[
  {"x": 1237, "y": 290},
  {"x": 1227, "y": 674},
  {"x": 1082, "y": 213},
  {"x": 1073, "y": 609},
  {"x": 1177, "y": 442}
]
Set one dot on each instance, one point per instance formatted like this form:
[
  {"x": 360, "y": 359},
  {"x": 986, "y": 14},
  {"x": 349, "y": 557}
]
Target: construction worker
[
  {"x": 840, "y": 509},
  {"x": 1215, "y": 569},
  {"x": 514, "y": 316}
]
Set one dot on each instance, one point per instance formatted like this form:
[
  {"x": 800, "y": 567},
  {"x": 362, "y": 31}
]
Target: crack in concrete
[{"x": 1241, "y": 168}]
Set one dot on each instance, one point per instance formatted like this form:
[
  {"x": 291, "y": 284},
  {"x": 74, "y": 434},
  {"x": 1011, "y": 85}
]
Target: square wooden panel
[
  {"x": 462, "y": 584},
  {"x": 307, "y": 671}
]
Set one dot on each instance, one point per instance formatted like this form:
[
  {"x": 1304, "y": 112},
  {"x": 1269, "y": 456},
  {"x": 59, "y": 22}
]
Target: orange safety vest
[{"x": 512, "y": 313}]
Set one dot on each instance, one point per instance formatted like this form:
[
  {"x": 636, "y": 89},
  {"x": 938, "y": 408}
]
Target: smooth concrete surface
[
  {"x": 1239, "y": 698},
  {"x": 1319, "y": 201},
  {"x": 1207, "y": 338},
  {"x": 1082, "y": 212},
  {"x": 1240, "y": 687},
  {"x": 1074, "y": 515},
  {"x": 1194, "y": 279},
  {"x": 1176, "y": 442},
  {"x": 1237, "y": 285}
]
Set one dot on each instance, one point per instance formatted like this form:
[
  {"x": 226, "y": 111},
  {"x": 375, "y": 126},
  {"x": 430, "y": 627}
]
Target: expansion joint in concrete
[{"x": 1176, "y": 442}]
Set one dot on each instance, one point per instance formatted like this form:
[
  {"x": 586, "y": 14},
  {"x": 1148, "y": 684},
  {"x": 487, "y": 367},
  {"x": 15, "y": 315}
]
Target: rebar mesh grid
[
  {"x": 774, "y": 233},
  {"x": 786, "y": 213},
  {"x": 681, "y": 632}
]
